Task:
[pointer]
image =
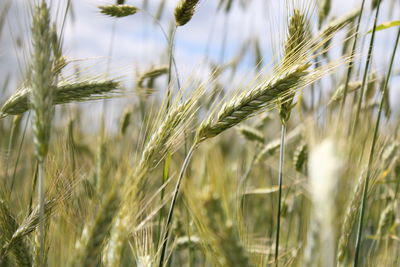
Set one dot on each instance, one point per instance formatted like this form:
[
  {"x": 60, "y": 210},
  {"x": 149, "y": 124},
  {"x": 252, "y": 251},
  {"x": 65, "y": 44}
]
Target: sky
[{"x": 138, "y": 43}]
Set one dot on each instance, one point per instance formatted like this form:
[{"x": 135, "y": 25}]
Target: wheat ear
[
  {"x": 8, "y": 226},
  {"x": 184, "y": 11},
  {"x": 42, "y": 82},
  {"x": 118, "y": 11},
  {"x": 91, "y": 243},
  {"x": 65, "y": 92},
  {"x": 252, "y": 102}
]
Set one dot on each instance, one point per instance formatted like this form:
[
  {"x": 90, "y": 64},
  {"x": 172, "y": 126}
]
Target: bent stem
[
  {"x": 280, "y": 180},
  {"x": 372, "y": 153},
  {"x": 173, "y": 203}
]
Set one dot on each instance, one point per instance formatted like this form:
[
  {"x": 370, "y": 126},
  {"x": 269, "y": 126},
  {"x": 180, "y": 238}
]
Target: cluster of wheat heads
[{"x": 297, "y": 166}]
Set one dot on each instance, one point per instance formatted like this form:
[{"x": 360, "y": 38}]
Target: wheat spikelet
[
  {"x": 250, "y": 103},
  {"x": 251, "y": 134},
  {"x": 273, "y": 146},
  {"x": 386, "y": 220},
  {"x": 337, "y": 24},
  {"x": 298, "y": 35},
  {"x": 184, "y": 11},
  {"x": 353, "y": 86},
  {"x": 65, "y": 93},
  {"x": 151, "y": 75},
  {"x": 118, "y": 11},
  {"x": 390, "y": 152},
  {"x": 233, "y": 251},
  {"x": 324, "y": 9},
  {"x": 125, "y": 121},
  {"x": 28, "y": 225},
  {"x": 178, "y": 115},
  {"x": 300, "y": 156},
  {"x": 338, "y": 94},
  {"x": 41, "y": 79},
  {"x": 8, "y": 226},
  {"x": 349, "y": 220},
  {"x": 90, "y": 246}
]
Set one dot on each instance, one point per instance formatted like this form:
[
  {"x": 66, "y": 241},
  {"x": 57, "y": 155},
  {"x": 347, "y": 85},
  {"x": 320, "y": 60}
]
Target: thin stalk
[
  {"x": 164, "y": 240},
  {"x": 366, "y": 70},
  {"x": 372, "y": 152},
  {"x": 224, "y": 39},
  {"x": 351, "y": 62},
  {"x": 8, "y": 153},
  {"x": 280, "y": 179},
  {"x": 170, "y": 52},
  {"x": 19, "y": 153},
  {"x": 167, "y": 39},
  {"x": 41, "y": 170},
  {"x": 167, "y": 159},
  {"x": 35, "y": 174}
]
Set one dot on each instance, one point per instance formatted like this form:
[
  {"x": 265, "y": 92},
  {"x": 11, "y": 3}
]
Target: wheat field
[{"x": 199, "y": 133}]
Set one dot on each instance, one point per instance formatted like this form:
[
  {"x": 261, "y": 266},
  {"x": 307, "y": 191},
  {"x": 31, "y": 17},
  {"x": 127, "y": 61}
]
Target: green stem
[
  {"x": 164, "y": 240},
  {"x": 41, "y": 188},
  {"x": 168, "y": 41},
  {"x": 366, "y": 70},
  {"x": 351, "y": 63},
  {"x": 19, "y": 153},
  {"x": 170, "y": 51},
  {"x": 371, "y": 155},
  {"x": 280, "y": 180},
  {"x": 166, "y": 162}
]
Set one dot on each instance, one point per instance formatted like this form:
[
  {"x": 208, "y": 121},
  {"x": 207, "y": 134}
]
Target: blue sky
[{"x": 139, "y": 43}]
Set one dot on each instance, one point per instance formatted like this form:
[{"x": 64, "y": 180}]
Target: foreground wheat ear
[
  {"x": 42, "y": 80},
  {"x": 66, "y": 92},
  {"x": 298, "y": 34},
  {"x": 250, "y": 103}
]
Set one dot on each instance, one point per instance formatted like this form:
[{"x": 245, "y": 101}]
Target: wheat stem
[
  {"x": 351, "y": 62},
  {"x": 366, "y": 70},
  {"x": 164, "y": 240},
  {"x": 372, "y": 152},
  {"x": 280, "y": 181}
]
